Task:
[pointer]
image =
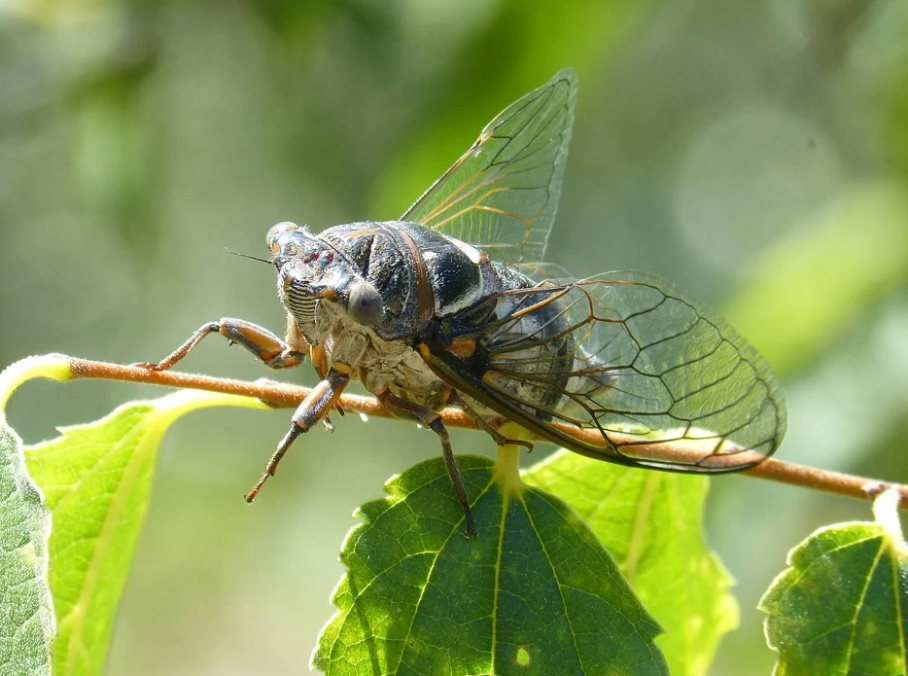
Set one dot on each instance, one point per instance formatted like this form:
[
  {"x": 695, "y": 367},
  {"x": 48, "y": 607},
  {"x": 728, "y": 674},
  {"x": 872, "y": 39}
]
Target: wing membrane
[
  {"x": 502, "y": 194},
  {"x": 625, "y": 367}
]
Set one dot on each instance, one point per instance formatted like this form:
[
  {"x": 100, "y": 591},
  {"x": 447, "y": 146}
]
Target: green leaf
[
  {"x": 533, "y": 593},
  {"x": 842, "y": 606},
  {"x": 26, "y": 608},
  {"x": 96, "y": 480},
  {"x": 651, "y": 522}
]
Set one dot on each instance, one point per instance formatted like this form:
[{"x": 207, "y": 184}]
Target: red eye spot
[
  {"x": 329, "y": 256},
  {"x": 315, "y": 256}
]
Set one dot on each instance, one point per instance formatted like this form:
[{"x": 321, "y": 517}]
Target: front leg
[
  {"x": 430, "y": 419},
  {"x": 273, "y": 351},
  {"x": 314, "y": 408}
]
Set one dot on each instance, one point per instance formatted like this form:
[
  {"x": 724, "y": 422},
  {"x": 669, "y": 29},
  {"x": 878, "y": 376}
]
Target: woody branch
[{"x": 283, "y": 395}]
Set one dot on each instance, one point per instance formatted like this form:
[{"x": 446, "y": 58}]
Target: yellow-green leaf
[{"x": 96, "y": 480}]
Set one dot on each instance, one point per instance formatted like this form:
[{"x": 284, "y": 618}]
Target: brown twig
[{"x": 283, "y": 395}]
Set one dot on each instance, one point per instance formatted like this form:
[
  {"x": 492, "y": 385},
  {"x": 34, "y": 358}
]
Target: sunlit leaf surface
[
  {"x": 26, "y": 618},
  {"x": 842, "y": 605},
  {"x": 651, "y": 522},
  {"x": 96, "y": 479},
  {"x": 533, "y": 593}
]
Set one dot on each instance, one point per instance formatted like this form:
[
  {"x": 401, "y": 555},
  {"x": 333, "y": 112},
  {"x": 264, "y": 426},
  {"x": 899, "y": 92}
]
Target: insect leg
[
  {"x": 432, "y": 420},
  {"x": 319, "y": 360},
  {"x": 273, "y": 351},
  {"x": 314, "y": 408}
]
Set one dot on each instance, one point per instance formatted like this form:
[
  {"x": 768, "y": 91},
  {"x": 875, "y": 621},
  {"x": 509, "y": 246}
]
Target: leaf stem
[{"x": 283, "y": 395}]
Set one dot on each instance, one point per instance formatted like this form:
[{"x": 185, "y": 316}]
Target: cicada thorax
[
  {"x": 449, "y": 316},
  {"x": 420, "y": 274},
  {"x": 416, "y": 274}
]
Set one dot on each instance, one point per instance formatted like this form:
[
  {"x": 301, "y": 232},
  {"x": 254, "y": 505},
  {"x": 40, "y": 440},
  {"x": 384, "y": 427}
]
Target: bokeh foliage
[{"x": 755, "y": 153}]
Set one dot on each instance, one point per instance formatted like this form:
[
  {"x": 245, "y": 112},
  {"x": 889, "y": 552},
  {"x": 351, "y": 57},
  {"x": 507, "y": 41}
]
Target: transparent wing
[
  {"x": 502, "y": 194},
  {"x": 628, "y": 368},
  {"x": 544, "y": 271}
]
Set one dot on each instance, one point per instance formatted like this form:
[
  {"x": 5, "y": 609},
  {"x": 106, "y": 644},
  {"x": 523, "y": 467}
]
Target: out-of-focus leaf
[
  {"x": 533, "y": 593},
  {"x": 115, "y": 160},
  {"x": 810, "y": 285},
  {"x": 96, "y": 480},
  {"x": 652, "y": 523},
  {"x": 842, "y": 605},
  {"x": 26, "y": 607}
]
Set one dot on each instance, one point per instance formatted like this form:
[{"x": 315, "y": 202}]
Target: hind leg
[{"x": 430, "y": 419}]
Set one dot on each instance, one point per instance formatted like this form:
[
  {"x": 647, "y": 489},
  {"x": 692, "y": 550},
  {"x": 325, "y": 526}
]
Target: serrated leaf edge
[{"x": 791, "y": 575}]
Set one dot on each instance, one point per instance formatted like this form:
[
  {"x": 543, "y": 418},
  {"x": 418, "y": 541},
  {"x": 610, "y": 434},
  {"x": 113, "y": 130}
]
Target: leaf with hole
[{"x": 533, "y": 593}]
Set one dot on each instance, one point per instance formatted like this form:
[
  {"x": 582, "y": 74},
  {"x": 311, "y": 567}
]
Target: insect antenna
[{"x": 252, "y": 258}]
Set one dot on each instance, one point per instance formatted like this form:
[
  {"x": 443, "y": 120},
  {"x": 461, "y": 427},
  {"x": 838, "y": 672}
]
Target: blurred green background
[{"x": 755, "y": 152}]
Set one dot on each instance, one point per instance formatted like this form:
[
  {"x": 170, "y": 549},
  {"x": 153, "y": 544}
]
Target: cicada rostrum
[{"x": 452, "y": 306}]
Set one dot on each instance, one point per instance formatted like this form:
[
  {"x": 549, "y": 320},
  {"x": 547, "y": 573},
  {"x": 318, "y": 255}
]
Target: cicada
[{"x": 452, "y": 306}]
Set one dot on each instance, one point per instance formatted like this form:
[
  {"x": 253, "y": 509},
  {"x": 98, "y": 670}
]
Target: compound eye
[
  {"x": 322, "y": 257},
  {"x": 365, "y": 304},
  {"x": 277, "y": 230}
]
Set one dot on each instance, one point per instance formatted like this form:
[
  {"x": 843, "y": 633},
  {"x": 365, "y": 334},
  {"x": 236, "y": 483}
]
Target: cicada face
[{"x": 311, "y": 270}]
